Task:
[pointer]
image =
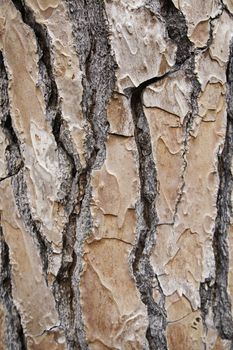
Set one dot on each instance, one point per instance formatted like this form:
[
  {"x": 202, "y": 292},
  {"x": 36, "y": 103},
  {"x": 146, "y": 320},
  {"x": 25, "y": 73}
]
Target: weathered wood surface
[{"x": 116, "y": 142}]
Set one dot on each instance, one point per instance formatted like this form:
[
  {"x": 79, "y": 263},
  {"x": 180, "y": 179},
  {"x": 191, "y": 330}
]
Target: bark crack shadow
[
  {"x": 68, "y": 162},
  {"x": 148, "y": 220},
  {"x": 214, "y": 294},
  {"x": 14, "y": 334}
]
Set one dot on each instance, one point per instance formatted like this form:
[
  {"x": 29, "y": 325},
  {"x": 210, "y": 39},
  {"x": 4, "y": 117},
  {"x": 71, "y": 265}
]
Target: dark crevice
[
  {"x": 142, "y": 269},
  {"x": 15, "y": 165},
  {"x": 205, "y": 300},
  {"x": 51, "y": 95},
  {"x": 45, "y": 60},
  {"x": 185, "y": 55},
  {"x": 212, "y": 26},
  {"x": 66, "y": 154},
  {"x": 221, "y": 300},
  {"x": 63, "y": 287},
  {"x": 215, "y": 294},
  {"x": 13, "y": 156},
  {"x": 14, "y": 335},
  {"x": 98, "y": 67},
  {"x": 148, "y": 220},
  {"x": 70, "y": 168},
  {"x": 225, "y": 8},
  {"x": 177, "y": 30},
  {"x": 32, "y": 226}
]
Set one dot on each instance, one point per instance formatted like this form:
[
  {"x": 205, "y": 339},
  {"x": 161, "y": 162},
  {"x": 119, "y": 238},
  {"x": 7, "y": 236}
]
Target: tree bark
[{"x": 116, "y": 143}]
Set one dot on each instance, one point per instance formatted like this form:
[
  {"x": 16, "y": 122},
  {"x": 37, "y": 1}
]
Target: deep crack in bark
[
  {"x": 215, "y": 295},
  {"x": 15, "y": 170},
  {"x": 148, "y": 219},
  {"x": 69, "y": 161},
  {"x": 13, "y": 156},
  {"x": 94, "y": 111},
  {"x": 96, "y": 62},
  {"x": 143, "y": 272},
  {"x": 14, "y": 335},
  {"x": 45, "y": 61},
  {"x": 142, "y": 268},
  {"x": 49, "y": 87},
  {"x": 178, "y": 32}
]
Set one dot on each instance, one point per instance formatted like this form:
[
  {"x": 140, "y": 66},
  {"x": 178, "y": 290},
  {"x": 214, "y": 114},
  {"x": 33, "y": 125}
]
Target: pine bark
[{"x": 116, "y": 143}]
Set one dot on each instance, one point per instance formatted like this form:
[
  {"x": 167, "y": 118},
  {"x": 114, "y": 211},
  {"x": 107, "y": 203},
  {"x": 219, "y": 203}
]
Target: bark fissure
[
  {"x": 143, "y": 272},
  {"x": 13, "y": 156},
  {"x": 15, "y": 164},
  {"x": 63, "y": 288},
  {"x": 91, "y": 42},
  {"x": 142, "y": 268},
  {"x": 163, "y": 268},
  {"x": 53, "y": 105},
  {"x": 14, "y": 335},
  {"x": 45, "y": 60},
  {"x": 225, "y": 8},
  {"x": 177, "y": 31},
  {"x": 215, "y": 295},
  {"x": 148, "y": 218},
  {"x": 33, "y": 227},
  {"x": 69, "y": 161}
]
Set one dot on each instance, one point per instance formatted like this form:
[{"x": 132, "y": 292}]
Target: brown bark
[{"x": 116, "y": 143}]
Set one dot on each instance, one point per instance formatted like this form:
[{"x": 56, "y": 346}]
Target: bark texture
[{"x": 116, "y": 144}]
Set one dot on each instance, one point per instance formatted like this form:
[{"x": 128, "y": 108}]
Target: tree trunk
[{"x": 116, "y": 143}]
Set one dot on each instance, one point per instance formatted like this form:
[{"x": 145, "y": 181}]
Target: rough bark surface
[{"x": 116, "y": 144}]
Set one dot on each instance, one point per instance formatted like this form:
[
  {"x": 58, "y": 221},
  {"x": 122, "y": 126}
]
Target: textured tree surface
[{"x": 116, "y": 143}]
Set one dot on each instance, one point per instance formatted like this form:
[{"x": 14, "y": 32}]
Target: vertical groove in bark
[
  {"x": 53, "y": 109},
  {"x": 98, "y": 66},
  {"x": 15, "y": 169},
  {"x": 12, "y": 154},
  {"x": 185, "y": 59},
  {"x": 142, "y": 269},
  {"x": 96, "y": 62},
  {"x": 32, "y": 226},
  {"x": 177, "y": 30},
  {"x": 185, "y": 55},
  {"x": 14, "y": 336},
  {"x": 68, "y": 158},
  {"x": 63, "y": 288},
  {"x": 147, "y": 218},
  {"x": 215, "y": 295},
  {"x": 45, "y": 60}
]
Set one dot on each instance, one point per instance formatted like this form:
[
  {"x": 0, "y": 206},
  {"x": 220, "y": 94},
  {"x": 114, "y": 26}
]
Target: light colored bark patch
[
  {"x": 114, "y": 315},
  {"x": 32, "y": 296},
  {"x": 38, "y": 145},
  {"x": 65, "y": 66},
  {"x": 112, "y": 311},
  {"x": 135, "y": 32},
  {"x": 198, "y": 13}
]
